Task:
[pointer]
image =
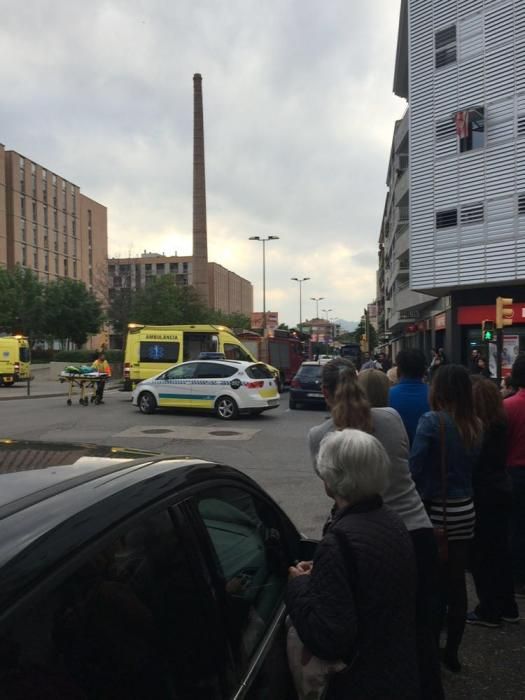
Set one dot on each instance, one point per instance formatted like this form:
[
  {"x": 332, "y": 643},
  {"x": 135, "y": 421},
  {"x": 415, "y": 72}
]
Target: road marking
[{"x": 212, "y": 432}]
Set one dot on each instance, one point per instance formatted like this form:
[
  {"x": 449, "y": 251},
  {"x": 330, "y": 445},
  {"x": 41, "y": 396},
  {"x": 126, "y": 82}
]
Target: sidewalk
[{"x": 42, "y": 389}]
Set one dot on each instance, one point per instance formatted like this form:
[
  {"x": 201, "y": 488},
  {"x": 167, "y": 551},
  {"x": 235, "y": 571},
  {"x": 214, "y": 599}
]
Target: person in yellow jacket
[{"x": 101, "y": 365}]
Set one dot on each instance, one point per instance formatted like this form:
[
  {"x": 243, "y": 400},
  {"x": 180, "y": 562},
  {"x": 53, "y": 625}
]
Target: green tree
[
  {"x": 70, "y": 311},
  {"x": 21, "y": 299},
  {"x": 360, "y": 330},
  {"x": 120, "y": 309},
  {"x": 235, "y": 320},
  {"x": 163, "y": 303}
]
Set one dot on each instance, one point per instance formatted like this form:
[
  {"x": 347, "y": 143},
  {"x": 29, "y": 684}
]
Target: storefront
[{"x": 469, "y": 320}]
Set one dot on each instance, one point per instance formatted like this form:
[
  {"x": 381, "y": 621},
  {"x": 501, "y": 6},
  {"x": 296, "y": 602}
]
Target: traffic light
[
  {"x": 488, "y": 331},
  {"x": 504, "y": 312}
]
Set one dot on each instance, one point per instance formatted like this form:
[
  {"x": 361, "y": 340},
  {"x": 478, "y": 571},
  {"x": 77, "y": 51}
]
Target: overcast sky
[{"x": 298, "y": 118}]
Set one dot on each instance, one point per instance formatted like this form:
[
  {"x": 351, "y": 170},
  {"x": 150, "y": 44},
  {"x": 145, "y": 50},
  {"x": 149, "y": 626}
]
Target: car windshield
[{"x": 259, "y": 372}]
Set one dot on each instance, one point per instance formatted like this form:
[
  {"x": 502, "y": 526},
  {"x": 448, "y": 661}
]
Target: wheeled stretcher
[{"x": 85, "y": 383}]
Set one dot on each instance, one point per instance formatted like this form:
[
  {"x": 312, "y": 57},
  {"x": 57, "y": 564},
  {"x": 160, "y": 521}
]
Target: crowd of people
[{"x": 426, "y": 469}]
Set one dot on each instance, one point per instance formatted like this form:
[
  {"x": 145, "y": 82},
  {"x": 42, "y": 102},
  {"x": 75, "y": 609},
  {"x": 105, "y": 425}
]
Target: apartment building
[
  {"x": 227, "y": 291},
  {"x": 48, "y": 225},
  {"x": 461, "y": 66}
]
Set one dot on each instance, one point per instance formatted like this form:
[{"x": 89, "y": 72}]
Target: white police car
[{"x": 227, "y": 387}]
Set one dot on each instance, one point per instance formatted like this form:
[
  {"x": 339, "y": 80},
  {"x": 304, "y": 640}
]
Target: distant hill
[{"x": 349, "y": 326}]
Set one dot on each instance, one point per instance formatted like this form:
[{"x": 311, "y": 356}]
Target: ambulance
[
  {"x": 153, "y": 349},
  {"x": 15, "y": 359}
]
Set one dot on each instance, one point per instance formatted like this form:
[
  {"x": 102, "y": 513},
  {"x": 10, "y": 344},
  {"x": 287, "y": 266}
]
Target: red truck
[{"x": 279, "y": 348}]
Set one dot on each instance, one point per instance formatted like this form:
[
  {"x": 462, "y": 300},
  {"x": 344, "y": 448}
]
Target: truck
[
  {"x": 353, "y": 352},
  {"x": 153, "y": 349},
  {"x": 281, "y": 349}
]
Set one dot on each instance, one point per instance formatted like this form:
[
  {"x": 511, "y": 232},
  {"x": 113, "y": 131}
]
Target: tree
[
  {"x": 70, "y": 311},
  {"x": 164, "y": 303},
  {"x": 21, "y": 299},
  {"x": 360, "y": 331}
]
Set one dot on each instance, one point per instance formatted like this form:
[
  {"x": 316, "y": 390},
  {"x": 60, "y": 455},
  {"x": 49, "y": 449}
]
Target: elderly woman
[{"x": 356, "y": 600}]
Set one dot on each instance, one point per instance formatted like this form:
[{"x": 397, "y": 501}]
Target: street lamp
[
  {"x": 300, "y": 280},
  {"x": 327, "y": 311},
  {"x": 263, "y": 241},
  {"x": 317, "y": 300}
]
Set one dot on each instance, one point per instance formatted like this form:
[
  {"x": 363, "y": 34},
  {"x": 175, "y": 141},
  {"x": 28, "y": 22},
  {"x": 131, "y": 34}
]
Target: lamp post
[
  {"x": 317, "y": 300},
  {"x": 327, "y": 311},
  {"x": 300, "y": 280},
  {"x": 263, "y": 241}
]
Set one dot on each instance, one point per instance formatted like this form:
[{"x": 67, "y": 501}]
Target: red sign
[
  {"x": 412, "y": 328},
  {"x": 440, "y": 322},
  {"x": 272, "y": 319},
  {"x": 474, "y": 315}
]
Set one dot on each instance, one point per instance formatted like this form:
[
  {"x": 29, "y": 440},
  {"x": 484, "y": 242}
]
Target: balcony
[
  {"x": 401, "y": 187},
  {"x": 401, "y": 130},
  {"x": 408, "y": 300},
  {"x": 402, "y": 243},
  {"x": 400, "y": 269}
]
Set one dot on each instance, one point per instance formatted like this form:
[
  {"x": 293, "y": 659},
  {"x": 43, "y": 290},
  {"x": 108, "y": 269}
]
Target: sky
[{"x": 298, "y": 120}]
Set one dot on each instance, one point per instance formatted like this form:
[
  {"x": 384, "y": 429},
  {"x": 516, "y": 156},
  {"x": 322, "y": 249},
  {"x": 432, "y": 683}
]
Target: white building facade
[{"x": 461, "y": 65}]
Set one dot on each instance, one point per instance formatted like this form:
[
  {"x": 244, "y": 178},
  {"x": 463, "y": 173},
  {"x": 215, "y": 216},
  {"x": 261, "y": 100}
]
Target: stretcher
[{"x": 85, "y": 382}]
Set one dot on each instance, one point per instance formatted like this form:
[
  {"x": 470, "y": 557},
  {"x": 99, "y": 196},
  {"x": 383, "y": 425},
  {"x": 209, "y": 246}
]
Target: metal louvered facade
[{"x": 467, "y": 226}]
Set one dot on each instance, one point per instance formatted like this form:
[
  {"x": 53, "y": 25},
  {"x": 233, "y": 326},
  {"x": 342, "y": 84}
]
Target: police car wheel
[
  {"x": 146, "y": 402},
  {"x": 226, "y": 408}
]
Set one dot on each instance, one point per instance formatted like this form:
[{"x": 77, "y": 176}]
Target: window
[
  {"x": 472, "y": 214},
  {"x": 521, "y": 205},
  {"x": 65, "y": 244},
  {"x": 130, "y": 621},
  {"x": 65, "y": 268},
  {"x": 56, "y": 240},
  {"x": 22, "y": 229},
  {"x": 46, "y": 239},
  {"x": 35, "y": 234},
  {"x": 470, "y": 128},
  {"x": 74, "y": 227},
  {"x": 22, "y": 206},
  {"x": 157, "y": 351},
  {"x": 251, "y": 565},
  {"x": 46, "y": 262},
  {"x": 56, "y": 264},
  {"x": 74, "y": 269},
  {"x": 161, "y": 268},
  {"x": 446, "y": 48},
  {"x": 55, "y": 218},
  {"x": 35, "y": 259},
  {"x": 44, "y": 185},
  {"x": 235, "y": 352},
  {"x": 446, "y": 218},
  {"x": 65, "y": 224},
  {"x": 24, "y": 255},
  {"x": 34, "y": 210},
  {"x": 89, "y": 217},
  {"x": 211, "y": 370},
  {"x": 75, "y": 247},
  {"x": 147, "y": 267},
  {"x": 45, "y": 215},
  {"x": 90, "y": 238},
  {"x": 174, "y": 267},
  {"x": 259, "y": 371}
]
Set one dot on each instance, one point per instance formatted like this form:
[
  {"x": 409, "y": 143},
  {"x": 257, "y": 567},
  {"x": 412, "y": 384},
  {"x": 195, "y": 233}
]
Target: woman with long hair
[
  {"x": 448, "y": 440},
  {"x": 376, "y": 386},
  {"x": 490, "y": 560},
  {"x": 350, "y": 408}
]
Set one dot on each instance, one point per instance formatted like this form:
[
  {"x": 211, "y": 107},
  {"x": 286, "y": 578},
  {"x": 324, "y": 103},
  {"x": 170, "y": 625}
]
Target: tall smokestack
[{"x": 200, "y": 240}]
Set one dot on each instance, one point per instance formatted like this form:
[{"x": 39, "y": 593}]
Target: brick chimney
[{"x": 200, "y": 239}]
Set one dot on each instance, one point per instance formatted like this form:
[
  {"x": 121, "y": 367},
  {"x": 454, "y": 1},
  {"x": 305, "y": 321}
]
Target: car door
[
  {"x": 131, "y": 617},
  {"x": 211, "y": 379},
  {"x": 250, "y": 547},
  {"x": 174, "y": 388}
]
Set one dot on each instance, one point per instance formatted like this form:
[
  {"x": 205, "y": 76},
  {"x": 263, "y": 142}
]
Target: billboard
[
  {"x": 511, "y": 349},
  {"x": 272, "y": 319}
]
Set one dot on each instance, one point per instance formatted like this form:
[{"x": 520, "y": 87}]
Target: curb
[{"x": 44, "y": 396}]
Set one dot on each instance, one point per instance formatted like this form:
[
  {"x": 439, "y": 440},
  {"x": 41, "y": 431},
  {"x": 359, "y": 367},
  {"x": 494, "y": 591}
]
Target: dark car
[
  {"x": 305, "y": 387},
  {"x": 147, "y": 578}
]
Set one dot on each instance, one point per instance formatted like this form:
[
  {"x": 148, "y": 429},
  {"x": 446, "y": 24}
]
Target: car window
[
  {"x": 235, "y": 352},
  {"x": 25, "y": 355},
  {"x": 259, "y": 372},
  {"x": 213, "y": 370},
  {"x": 251, "y": 563},
  {"x": 181, "y": 372},
  {"x": 310, "y": 372},
  {"x": 128, "y": 623},
  {"x": 159, "y": 352}
]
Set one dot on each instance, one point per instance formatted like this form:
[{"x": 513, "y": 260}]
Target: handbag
[
  {"x": 311, "y": 675},
  {"x": 440, "y": 533}
]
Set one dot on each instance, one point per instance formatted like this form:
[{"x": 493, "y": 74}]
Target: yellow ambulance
[
  {"x": 152, "y": 349},
  {"x": 15, "y": 359}
]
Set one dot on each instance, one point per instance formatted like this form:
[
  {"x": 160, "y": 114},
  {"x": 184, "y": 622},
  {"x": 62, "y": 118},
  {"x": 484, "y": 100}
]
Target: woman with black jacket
[{"x": 490, "y": 558}]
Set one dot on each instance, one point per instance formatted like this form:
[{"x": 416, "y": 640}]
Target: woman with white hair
[{"x": 355, "y": 601}]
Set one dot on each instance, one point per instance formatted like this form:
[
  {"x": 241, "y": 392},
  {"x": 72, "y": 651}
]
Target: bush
[{"x": 87, "y": 356}]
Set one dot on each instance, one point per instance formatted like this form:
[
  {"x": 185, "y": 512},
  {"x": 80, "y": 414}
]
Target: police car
[{"x": 226, "y": 387}]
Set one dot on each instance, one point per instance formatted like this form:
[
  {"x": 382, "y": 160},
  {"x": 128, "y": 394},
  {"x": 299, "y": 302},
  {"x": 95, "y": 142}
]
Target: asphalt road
[{"x": 272, "y": 449}]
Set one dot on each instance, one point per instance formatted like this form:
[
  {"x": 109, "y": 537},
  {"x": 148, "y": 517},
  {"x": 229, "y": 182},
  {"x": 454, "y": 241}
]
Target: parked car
[
  {"x": 305, "y": 387},
  {"x": 147, "y": 578},
  {"x": 226, "y": 387}
]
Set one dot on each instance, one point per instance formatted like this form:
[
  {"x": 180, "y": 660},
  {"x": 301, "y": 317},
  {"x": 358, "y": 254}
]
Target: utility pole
[{"x": 300, "y": 280}]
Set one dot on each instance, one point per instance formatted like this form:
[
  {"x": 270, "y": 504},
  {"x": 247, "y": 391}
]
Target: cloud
[{"x": 298, "y": 123}]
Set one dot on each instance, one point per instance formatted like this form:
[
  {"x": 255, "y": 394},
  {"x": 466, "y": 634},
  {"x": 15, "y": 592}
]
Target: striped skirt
[{"x": 461, "y": 517}]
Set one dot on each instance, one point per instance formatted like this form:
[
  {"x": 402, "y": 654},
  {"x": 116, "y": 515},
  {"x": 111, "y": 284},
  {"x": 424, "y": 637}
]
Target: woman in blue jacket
[{"x": 451, "y": 426}]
